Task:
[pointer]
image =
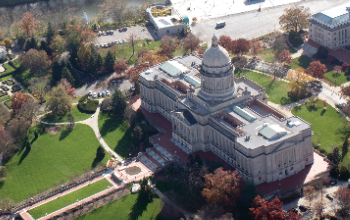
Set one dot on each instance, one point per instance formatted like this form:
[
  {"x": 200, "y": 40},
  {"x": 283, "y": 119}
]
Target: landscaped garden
[
  {"x": 115, "y": 132},
  {"x": 121, "y": 208},
  {"x": 53, "y": 159},
  {"x": 276, "y": 89},
  {"x": 328, "y": 126},
  {"x": 77, "y": 114},
  {"x": 70, "y": 198}
]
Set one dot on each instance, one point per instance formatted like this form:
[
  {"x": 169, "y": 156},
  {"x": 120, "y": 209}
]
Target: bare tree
[
  {"x": 318, "y": 208},
  {"x": 133, "y": 38},
  {"x": 191, "y": 42},
  {"x": 310, "y": 193},
  {"x": 17, "y": 128},
  {"x": 39, "y": 87},
  {"x": 29, "y": 110},
  {"x": 4, "y": 115}
]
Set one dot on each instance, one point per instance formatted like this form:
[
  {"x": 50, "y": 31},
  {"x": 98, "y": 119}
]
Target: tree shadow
[
  {"x": 110, "y": 125},
  {"x": 65, "y": 133},
  {"x": 297, "y": 108},
  {"x": 137, "y": 209},
  {"x": 97, "y": 161},
  {"x": 36, "y": 135},
  {"x": 323, "y": 111},
  {"x": 344, "y": 152},
  {"x": 2, "y": 184},
  {"x": 124, "y": 144},
  {"x": 311, "y": 108},
  {"x": 25, "y": 154}
]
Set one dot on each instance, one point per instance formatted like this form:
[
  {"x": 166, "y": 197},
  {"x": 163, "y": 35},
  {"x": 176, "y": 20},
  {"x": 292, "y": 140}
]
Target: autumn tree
[
  {"x": 168, "y": 46},
  {"x": 84, "y": 54},
  {"x": 37, "y": 61},
  {"x": 318, "y": 208},
  {"x": 345, "y": 90},
  {"x": 256, "y": 46},
  {"x": 222, "y": 188},
  {"x": 342, "y": 198},
  {"x": 190, "y": 42},
  {"x": 280, "y": 43},
  {"x": 309, "y": 193},
  {"x": 295, "y": 18},
  {"x": 132, "y": 39},
  {"x": 336, "y": 73},
  {"x": 58, "y": 101},
  {"x": 88, "y": 36},
  {"x": 39, "y": 87},
  {"x": 29, "y": 110},
  {"x": 316, "y": 69},
  {"x": 262, "y": 209},
  {"x": 17, "y": 100},
  {"x": 67, "y": 87},
  {"x": 4, "y": 115},
  {"x": 7, "y": 42},
  {"x": 285, "y": 57},
  {"x": 58, "y": 45},
  {"x": 298, "y": 83},
  {"x": 225, "y": 42},
  {"x": 240, "y": 46},
  {"x": 133, "y": 74},
  {"x": 6, "y": 204},
  {"x": 17, "y": 128},
  {"x": 28, "y": 23},
  {"x": 120, "y": 66}
]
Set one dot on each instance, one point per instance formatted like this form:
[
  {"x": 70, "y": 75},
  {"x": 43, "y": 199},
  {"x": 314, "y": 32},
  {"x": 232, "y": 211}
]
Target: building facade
[
  {"x": 211, "y": 110},
  {"x": 331, "y": 28}
]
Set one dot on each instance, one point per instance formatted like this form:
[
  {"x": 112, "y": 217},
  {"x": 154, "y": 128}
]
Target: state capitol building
[{"x": 211, "y": 110}]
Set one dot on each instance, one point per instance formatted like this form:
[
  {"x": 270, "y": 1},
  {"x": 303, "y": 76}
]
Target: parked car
[
  {"x": 97, "y": 45},
  {"x": 90, "y": 92},
  {"x": 94, "y": 95},
  {"x": 104, "y": 33},
  {"x": 120, "y": 29},
  {"x": 293, "y": 210},
  {"x": 124, "y": 41},
  {"x": 132, "y": 88},
  {"x": 329, "y": 197},
  {"x": 99, "y": 33},
  {"x": 303, "y": 208},
  {"x": 111, "y": 32},
  {"x": 120, "y": 41},
  {"x": 98, "y": 94},
  {"x": 103, "y": 93},
  {"x": 116, "y": 42},
  {"x": 220, "y": 24},
  {"x": 333, "y": 182},
  {"x": 109, "y": 44},
  {"x": 125, "y": 29},
  {"x": 107, "y": 93}
]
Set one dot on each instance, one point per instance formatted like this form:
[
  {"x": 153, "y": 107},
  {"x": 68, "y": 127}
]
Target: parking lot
[{"x": 141, "y": 33}]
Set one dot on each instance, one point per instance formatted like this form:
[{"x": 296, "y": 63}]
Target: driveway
[{"x": 141, "y": 32}]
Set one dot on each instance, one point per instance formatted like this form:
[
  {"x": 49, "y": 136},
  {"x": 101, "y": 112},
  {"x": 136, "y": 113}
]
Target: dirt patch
[
  {"x": 53, "y": 130},
  {"x": 133, "y": 170}
]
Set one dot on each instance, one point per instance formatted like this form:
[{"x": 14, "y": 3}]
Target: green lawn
[
  {"x": 121, "y": 208},
  {"x": 9, "y": 69},
  {"x": 115, "y": 132},
  {"x": 268, "y": 55},
  {"x": 3, "y": 98},
  {"x": 70, "y": 198},
  {"x": 328, "y": 126},
  {"x": 329, "y": 78},
  {"x": 78, "y": 116},
  {"x": 303, "y": 61},
  {"x": 277, "y": 90},
  {"x": 52, "y": 160}
]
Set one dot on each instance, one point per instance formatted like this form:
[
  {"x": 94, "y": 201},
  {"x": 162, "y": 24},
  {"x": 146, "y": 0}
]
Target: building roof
[
  {"x": 173, "y": 68},
  {"x": 334, "y": 15},
  {"x": 244, "y": 114},
  {"x": 187, "y": 116},
  {"x": 272, "y": 131},
  {"x": 215, "y": 56},
  {"x": 193, "y": 81}
]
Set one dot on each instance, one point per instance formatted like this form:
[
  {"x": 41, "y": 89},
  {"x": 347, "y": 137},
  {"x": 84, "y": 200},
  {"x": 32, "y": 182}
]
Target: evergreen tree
[
  {"x": 26, "y": 45},
  {"x": 67, "y": 75},
  {"x": 109, "y": 62},
  {"x": 92, "y": 64},
  {"x": 345, "y": 146},
  {"x": 45, "y": 46},
  {"x": 74, "y": 73},
  {"x": 56, "y": 71},
  {"x": 118, "y": 102},
  {"x": 50, "y": 33},
  {"x": 33, "y": 43},
  {"x": 21, "y": 40},
  {"x": 335, "y": 156},
  {"x": 146, "y": 193},
  {"x": 137, "y": 87},
  {"x": 73, "y": 40},
  {"x": 99, "y": 62}
]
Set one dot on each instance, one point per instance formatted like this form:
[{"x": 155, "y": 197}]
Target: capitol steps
[{"x": 156, "y": 158}]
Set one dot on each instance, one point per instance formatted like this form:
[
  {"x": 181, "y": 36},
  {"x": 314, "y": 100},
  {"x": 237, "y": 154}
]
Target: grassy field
[
  {"x": 123, "y": 207},
  {"x": 3, "y": 98},
  {"x": 329, "y": 78},
  {"x": 9, "y": 69},
  {"x": 70, "y": 198},
  {"x": 329, "y": 127},
  {"x": 78, "y": 116},
  {"x": 115, "y": 132},
  {"x": 52, "y": 160},
  {"x": 277, "y": 90}
]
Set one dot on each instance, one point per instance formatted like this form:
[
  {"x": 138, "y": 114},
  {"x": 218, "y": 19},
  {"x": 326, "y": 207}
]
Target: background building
[
  {"x": 331, "y": 28},
  {"x": 210, "y": 110},
  {"x": 3, "y": 53}
]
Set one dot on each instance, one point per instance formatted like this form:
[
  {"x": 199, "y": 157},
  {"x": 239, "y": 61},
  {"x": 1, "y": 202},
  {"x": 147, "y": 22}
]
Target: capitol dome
[{"x": 216, "y": 59}]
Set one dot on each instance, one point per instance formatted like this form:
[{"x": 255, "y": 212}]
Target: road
[{"x": 254, "y": 24}]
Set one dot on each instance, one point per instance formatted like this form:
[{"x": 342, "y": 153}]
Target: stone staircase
[{"x": 156, "y": 158}]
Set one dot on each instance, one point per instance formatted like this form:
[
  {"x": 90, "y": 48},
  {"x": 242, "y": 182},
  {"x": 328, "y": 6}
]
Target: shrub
[
  {"x": 335, "y": 172},
  {"x": 344, "y": 173},
  {"x": 4, "y": 88},
  {"x": 86, "y": 105},
  {"x": 15, "y": 88},
  {"x": 336, "y": 62},
  {"x": 322, "y": 52},
  {"x": 323, "y": 151},
  {"x": 295, "y": 39}
]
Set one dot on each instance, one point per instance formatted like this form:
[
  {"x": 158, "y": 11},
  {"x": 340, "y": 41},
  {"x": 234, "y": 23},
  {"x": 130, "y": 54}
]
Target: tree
[
  {"x": 137, "y": 87},
  {"x": 7, "y": 144},
  {"x": 336, "y": 73},
  {"x": 45, "y": 47},
  {"x": 99, "y": 62},
  {"x": 118, "y": 102},
  {"x": 280, "y": 43},
  {"x": 17, "y": 128},
  {"x": 225, "y": 42},
  {"x": 263, "y": 209},
  {"x": 168, "y": 45},
  {"x": 58, "y": 101},
  {"x": 67, "y": 87},
  {"x": 3, "y": 172},
  {"x": 7, "y": 42},
  {"x": 4, "y": 115},
  {"x": 335, "y": 156},
  {"x": 88, "y": 36},
  {"x": 6, "y": 204},
  {"x": 84, "y": 54},
  {"x": 28, "y": 23},
  {"x": 146, "y": 193},
  {"x": 71, "y": 122},
  {"x": 57, "y": 45},
  {"x": 298, "y": 83},
  {"x": 29, "y": 110},
  {"x": 109, "y": 62},
  {"x": 133, "y": 38},
  {"x": 345, "y": 90},
  {"x": 37, "y": 61},
  {"x": 1, "y": 34},
  {"x": 129, "y": 114},
  {"x": 50, "y": 33},
  {"x": 190, "y": 42},
  {"x": 120, "y": 66},
  {"x": 106, "y": 104},
  {"x": 342, "y": 198},
  {"x": 66, "y": 74},
  {"x": 318, "y": 208},
  {"x": 285, "y": 57},
  {"x": 309, "y": 193},
  {"x": 17, "y": 100},
  {"x": 240, "y": 46},
  {"x": 322, "y": 52},
  {"x": 133, "y": 74},
  {"x": 316, "y": 69},
  {"x": 39, "y": 87},
  {"x": 295, "y": 18},
  {"x": 137, "y": 135},
  {"x": 222, "y": 188},
  {"x": 256, "y": 46}
]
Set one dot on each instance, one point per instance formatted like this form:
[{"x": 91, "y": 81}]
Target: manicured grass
[
  {"x": 328, "y": 126},
  {"x": 277, "y": 90},
  {"x": 78, "y": 116},
  {"x": 52, "y": 160},
  {"x": 9, "y": 69},
  {"x": 121, "y": 208},
  {"x": 268, "y": 55},
  {"x": 115, "y": 132},
  {"x": 70, "y": 198},
  {"x": 329, "y": 78},
  {"x": 3, "y": 98},
  {"x": 303, "y": 61}
]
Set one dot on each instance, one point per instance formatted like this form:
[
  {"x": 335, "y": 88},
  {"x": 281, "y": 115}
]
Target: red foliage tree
[
  {"x": 120, "y": 66},
  {"x": 285, "y": 57},
  {"x": 263, "y": 209},
  {"x": 240, "y": 46},
  {"x": 133, "y": 74},
  {"x": 222, "y": 188},
  {"x": 68, "y": 87},
  {"x": 28, "y": 23},
  {"x": 345, "y": 66},
  {"x": 225, "y": 42},
  {"x": 316, "y": 69},
  {"x": 18, "y": 99}
]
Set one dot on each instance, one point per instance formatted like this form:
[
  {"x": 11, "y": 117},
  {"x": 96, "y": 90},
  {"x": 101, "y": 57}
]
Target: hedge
[
  {"x": 87, "y": 105},
  {"x": 15, "y": 88},
  {"x": 295, "y": 39}
]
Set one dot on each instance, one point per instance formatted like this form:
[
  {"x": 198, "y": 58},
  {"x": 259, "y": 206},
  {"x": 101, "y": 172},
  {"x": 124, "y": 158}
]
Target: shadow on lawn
[
  {"x": 65, "y": 133},
  {"x": 138, "y": 208},
  {"x": 111, "y": 124},
  {"x": 124, "y": 144},
  {"x": 25, "y": 154}
]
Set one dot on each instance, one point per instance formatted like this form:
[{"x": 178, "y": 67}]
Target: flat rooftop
[
  {"x": 167, "y": 21},
  {"x": 334, "y": 15}
]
